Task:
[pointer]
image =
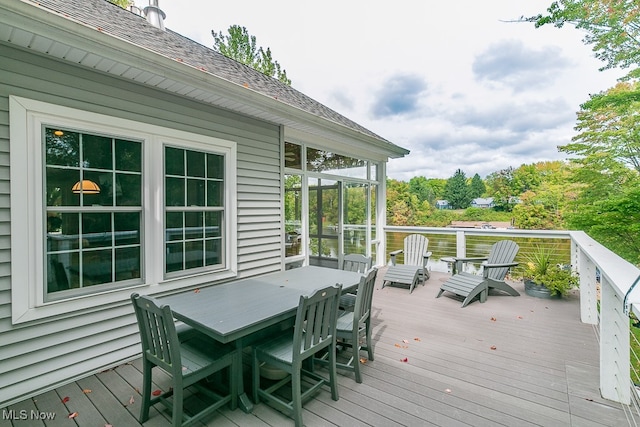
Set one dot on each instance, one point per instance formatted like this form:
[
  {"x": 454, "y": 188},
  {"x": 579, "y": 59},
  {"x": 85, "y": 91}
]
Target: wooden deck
[{"x": 512, "y": 361}]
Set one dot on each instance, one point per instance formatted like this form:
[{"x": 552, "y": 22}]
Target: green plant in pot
[{"x": 543, "y": 275}]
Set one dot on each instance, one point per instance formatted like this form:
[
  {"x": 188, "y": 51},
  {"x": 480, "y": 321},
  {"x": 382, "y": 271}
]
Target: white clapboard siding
[{"x": 36, "y": 357}]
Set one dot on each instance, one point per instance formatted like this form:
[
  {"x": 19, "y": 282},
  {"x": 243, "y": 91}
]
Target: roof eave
[{"x": 28, "y": 17}]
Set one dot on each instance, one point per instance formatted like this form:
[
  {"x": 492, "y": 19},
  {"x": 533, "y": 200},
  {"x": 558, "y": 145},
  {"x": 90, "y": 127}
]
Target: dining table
[{"x": 240, "y": 311}]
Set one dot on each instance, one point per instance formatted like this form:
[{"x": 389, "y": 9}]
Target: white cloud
[{"x": 454, "y": 82}]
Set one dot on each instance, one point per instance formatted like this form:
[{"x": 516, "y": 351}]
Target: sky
[{"x": 452, "y": 81}]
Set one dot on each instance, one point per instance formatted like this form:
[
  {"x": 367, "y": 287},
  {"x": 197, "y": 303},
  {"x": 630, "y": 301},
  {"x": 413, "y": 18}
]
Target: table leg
[{"x": 243, "y": 400}]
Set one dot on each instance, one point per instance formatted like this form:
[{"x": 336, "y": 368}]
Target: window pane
[
  {"x": 174, "y": 226},
  {"x": 96, "y": 267},
  {"x": 174, "y": 257},
  {"x": 215, "y": 193},
  {"x": 98, "y": 191},
  {"x": 128, "y": 190},
  {"x": 174, "y": 190},
  {"x": 213, "y": 254},
  {"x": 58, "y": 276},
  {"x": 328, "y": 162},
  {"x": 96, "y": 230},
  {"x": 194, "y": 254},
  {"x": 97, "y": 152},
  {"x": 292, "y": 155},
  {"x": 127, "y": 228},
  {"x": 215, "y": 166},
  {"x": 293, "y": 214},
  {"x": 128, "y": 156},
  {"x": 128, "y": 263},
  {"x": 59, "y": 187},
  {"x": 195, "y": 164},
  {"x": 193, "y": 223},
  {"x": 213, "y": 223},
  {"x": 195, "y": 192},
  {"x": 63, "y": 231},
  {"x": 173, "y": 161},
  {"x": 62, "y": 147}
]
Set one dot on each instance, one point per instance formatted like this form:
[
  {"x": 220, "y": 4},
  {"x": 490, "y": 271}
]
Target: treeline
[{"x": 531, "y": 196}]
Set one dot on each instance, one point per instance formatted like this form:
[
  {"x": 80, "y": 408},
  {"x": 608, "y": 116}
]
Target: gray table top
[{"x": 235, "y": 309}]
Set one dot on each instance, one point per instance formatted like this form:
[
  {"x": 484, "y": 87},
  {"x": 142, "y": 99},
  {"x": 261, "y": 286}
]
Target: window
[
  {"x": 100, "y": 205},
  {"x": 194, "y": 208},
  {"x": 93, "y": 193}
]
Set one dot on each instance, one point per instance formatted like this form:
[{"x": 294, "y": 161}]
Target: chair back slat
[
  {"x": 364, "y": 297},
  {"x": 415, "y": 245},
  {"x": 158, "y": 334},
  {"x": 502, "y": 252},
  {"x": 356, "y": 262},
  {"x": 316, "y": 318}
]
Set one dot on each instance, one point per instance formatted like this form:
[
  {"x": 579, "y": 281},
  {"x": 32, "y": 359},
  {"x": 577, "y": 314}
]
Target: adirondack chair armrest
[
  {"x": 508, "y": 264},
  {"x": 394, "y": 254},
  {"x": 425, "y": 258},
  {"x": 473, "y": 259}
]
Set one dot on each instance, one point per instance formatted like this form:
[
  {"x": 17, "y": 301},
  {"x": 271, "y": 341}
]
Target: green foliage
[
  {"x": 122, "y": 3},
  {"x": 477, "y": 187},
  {"x": 609, "y": 127},
  {"x": 501, "y": 186},
  {"x": 239, "y": 45},
  {"x": 543, "y": 270},
  {"x": 457, "y": 191},
  {"x": 612, "y": 27}
]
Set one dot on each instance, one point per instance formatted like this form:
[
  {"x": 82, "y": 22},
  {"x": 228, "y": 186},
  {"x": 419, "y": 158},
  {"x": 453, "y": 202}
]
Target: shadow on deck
[{"x": 512, "y": 361}]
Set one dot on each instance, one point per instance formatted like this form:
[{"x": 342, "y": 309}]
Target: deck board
[{"x": 510, "y": 361}]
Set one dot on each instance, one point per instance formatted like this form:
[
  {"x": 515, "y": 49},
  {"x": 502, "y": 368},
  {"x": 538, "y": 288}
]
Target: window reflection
[{"x": 89, "y": 240}]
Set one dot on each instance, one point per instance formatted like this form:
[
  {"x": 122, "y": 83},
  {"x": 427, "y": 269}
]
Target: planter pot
[{"x": 538, "y": 291}]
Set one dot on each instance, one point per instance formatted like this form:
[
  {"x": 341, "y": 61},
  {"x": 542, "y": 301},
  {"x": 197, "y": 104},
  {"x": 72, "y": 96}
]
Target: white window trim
[{"x": 26, "y": 117}]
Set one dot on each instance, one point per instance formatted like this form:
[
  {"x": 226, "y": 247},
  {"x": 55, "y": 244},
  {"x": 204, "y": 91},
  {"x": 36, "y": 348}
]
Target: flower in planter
[{"x": 542, "y": 270}]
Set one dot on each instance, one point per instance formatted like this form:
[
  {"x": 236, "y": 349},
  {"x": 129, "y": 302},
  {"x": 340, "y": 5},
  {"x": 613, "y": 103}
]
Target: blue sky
[{"x": 454, "y": 82}]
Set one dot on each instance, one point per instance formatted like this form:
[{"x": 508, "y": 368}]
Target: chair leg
[
  {"x": 146, "y": 390},
  {"x": 333, "y": 375},
  {"x": 178, "y": 402},
  {"x": 369, "y": 341},
  {"x": 296, "y": 396},
  {"x": 355, "y": 347}
]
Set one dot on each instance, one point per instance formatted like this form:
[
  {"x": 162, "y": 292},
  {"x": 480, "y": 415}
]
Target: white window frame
[{"x": 26, "y": 118}]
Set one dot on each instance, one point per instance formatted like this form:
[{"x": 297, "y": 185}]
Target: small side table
[{"x": 456, "y": 265}]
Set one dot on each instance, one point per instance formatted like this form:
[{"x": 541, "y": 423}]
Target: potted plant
[{"x": 544, "y": 278}]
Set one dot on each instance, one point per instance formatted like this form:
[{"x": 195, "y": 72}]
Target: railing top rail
[
  {"x": 618, "y": 272},
  {"x": 553, "y": 234}
]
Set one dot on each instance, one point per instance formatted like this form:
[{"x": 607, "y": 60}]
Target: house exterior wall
[{"x": 36, "y": 356}]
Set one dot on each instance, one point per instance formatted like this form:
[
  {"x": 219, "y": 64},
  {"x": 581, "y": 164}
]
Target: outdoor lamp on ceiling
[{"x": 85, "y": 186}]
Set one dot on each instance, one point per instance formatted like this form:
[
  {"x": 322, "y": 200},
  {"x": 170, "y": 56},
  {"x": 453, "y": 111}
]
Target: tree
[
  {"x": 612, "y": 27},
  {"x": 122, "y": 3},
  {"x": 609, "y": 126},
  {"x": 419, "y": 186},
  {"x": 457, "y": 191},
  {"x": 477, "y": 187},
  {"x": 239, "y": 45},
  {"x": 500, "y": 186}
]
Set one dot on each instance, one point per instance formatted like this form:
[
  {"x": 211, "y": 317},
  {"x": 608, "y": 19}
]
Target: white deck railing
[{"x": 607, "y": 288}]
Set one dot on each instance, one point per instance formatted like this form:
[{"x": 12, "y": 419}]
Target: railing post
[
  {"x": 615, "y": 380},
  {"x": 461, "y": 244},
  {"x": 586, "y": 270}
]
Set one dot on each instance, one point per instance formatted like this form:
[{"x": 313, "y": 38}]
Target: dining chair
[
  {"x": 354, "y": 326},
  {"x": 188, "y": 358},
  {"x": 360, "y": 264},
  {"x": 314, "y": 330}
]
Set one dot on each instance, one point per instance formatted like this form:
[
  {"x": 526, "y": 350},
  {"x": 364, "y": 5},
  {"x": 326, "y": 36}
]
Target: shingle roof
[{"x": 123, "y": 24}]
